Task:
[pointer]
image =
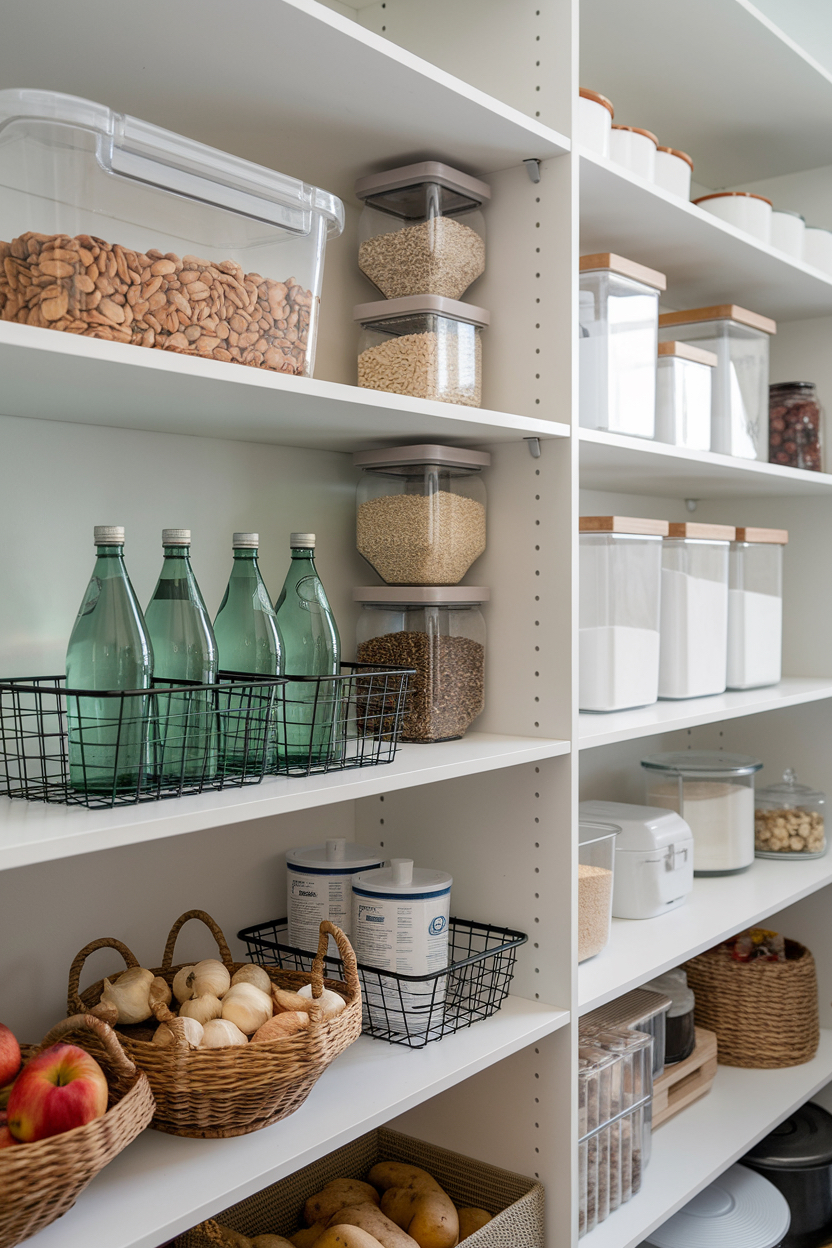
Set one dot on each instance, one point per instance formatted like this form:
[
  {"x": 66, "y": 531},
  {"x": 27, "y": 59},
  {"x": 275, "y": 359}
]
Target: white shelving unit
[{"x": 93, "y": 431}]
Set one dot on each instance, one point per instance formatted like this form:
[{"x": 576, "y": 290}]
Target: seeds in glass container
[
  {"x": 594, "y": 897},
  {"x": 436, "y": 257},
  {"x": 790, "y": 830},
  {"x": 447, "y": 692},
  {"x": 413, "y": 539},
  {"x": 447, "y": 367}
]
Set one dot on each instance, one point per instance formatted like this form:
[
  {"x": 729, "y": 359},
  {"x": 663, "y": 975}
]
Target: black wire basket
[
  {"x": 332, "y": 723},
  {"x": 102, "y": 749},
  {"x": 414, "y": 1010}
]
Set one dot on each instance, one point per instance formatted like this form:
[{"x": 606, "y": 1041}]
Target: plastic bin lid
[
  {"x": 417, "y": 175},
  {"x": 415, "y": 305},
  {"x": 423, "y": 453},
  {"x": 402, "y": 878},
  {"x": 702, "y": 762},
  {"x": 638, "y": 1006},
  {"x": 804, "y": 1140},
  {"x": 590, "y": 830},
  {"x": 422, "y": 595},
  {"x": 337, "y": 856},
  {"x": 643, "y": 828},
  {"x": 136, "y": 149},
  {"x": 740, "y": 1209}
]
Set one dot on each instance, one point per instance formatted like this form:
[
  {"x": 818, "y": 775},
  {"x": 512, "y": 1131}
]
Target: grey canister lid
[
  {"x": 422, "y": 595},
  {"x": 414, "y": 305},
  {"x": 424, "y": 171},
  {"x": 423, "y": 453}
]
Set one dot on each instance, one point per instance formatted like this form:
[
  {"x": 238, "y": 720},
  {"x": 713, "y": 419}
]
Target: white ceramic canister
[
  {"x": 817, "y": 248},
  {"x": 635, "y": 149},
  {"x": 595, "y": 114},
  {"x": 673, "y": 171},
  {"x": 400, "y": 919},
  {"x": 788, "y": 231},
  {"x": 319, "y": 886},
  {"x": 748, "y": 212}
]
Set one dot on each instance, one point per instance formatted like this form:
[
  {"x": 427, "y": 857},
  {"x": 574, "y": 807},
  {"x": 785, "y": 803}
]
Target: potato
[
  {"x": 388, "y": 1174},
  {"x": 428, "y": 1215},
  {"x": 270, "y": 1241},
  {"x": 308, "y": 1235},
  {"x": 370, "y": 1218},
  {"x": 223, "y": 1236},
  {"x": 337, "y": 1195},
  {"x": 347, "y": 1237},
  {"x": 399, "y": 1204},
  {"x": 470, "y": 1220}
]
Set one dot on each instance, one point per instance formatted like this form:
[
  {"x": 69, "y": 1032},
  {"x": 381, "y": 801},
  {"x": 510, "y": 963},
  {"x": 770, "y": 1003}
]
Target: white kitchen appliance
[{"x": 653, "y": 858}]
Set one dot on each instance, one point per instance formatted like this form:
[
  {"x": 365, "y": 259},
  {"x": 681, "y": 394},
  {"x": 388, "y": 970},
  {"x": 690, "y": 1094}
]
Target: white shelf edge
[
  {"x": 799, "y": 51},
  {"x": 33, "y": 832},
  {"x": 605, "y": 729},
  {"x": 365, "y": 1087}
]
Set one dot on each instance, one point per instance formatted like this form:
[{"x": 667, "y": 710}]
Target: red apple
[
  {"x": 9, "y": 1056},
  {"x": 6, "y": 1138},
  {"x": 60, "y": 1089}
]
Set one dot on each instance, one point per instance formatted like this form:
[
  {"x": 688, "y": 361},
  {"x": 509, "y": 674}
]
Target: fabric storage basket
[
  {"x": 41, "y": 1180},
  {"x": 216, "y": 1093},
  {"x": 515, "y": 1201},
  {"x": 765, "y": 1014}
]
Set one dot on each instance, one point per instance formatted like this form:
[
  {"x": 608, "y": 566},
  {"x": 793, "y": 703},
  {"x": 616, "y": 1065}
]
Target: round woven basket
[
  {"x": 765, "y": 1014},
  {"x": 215, "y": 1093},
  {"x": 41, "y": 1180}
]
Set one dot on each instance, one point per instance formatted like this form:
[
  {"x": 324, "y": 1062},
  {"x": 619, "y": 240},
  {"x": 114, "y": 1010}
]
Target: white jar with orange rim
[
  {"x": 635, "y": 149},
  {"x": 673, "y": 171},
  {"x": 595, "y": 114},
  {"x": 748, "y": 212}
]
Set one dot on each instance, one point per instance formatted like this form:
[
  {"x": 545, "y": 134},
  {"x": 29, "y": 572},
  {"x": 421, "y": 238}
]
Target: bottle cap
[
  {"x": 176, "y": 537},
  {"x": 108, "y": 535},
  {"x": 245, "y": 541},
  {"x": 302, "y": 539}
]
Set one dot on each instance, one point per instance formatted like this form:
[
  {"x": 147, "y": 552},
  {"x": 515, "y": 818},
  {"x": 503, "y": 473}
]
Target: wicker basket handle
[
  {"x": 74, "y": 1004},
  {"x": 347, "y": 957},
  {"x": 87, "y": 1022},
  {"x": 215, "y": 930}
]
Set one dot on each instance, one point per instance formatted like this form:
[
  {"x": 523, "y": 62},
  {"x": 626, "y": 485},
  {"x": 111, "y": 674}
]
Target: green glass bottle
[
  {"x": 187, "y": 739},
  {"x": 309, "y": 731},
  {"x": 248, "y": 638},
  {"x": 109, "y": 649}
]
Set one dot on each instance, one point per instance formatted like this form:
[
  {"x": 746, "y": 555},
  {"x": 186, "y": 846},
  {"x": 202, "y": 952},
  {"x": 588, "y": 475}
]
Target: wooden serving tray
[{"x": 684, "y": 1083}]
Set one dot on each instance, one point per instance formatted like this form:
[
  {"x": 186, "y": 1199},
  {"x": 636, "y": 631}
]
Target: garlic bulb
[
  {"x": 247, "y": 1006},
  {"x": 250, "y": 974},
  {"x": 165, "y": 1035},
  {"x": 209, "y": 976},
  {"x": 182, "y": 988},
  {"x": 130, "y": 994},
  {"x": 219, "y": 1033},
  {"x": 203, "y": 1008},
  {"x": 331, "y": 1003}
]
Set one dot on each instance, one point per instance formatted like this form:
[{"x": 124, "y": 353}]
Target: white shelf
[
  {"x": 718, "y": 907},
  {"x": 706, "y": 260},
  {"x": 36, "y": 832},
  {"x": 612, "y": 461},
  {"x": 693, "y": 1148},
  {"x": 161, "y": 1185},
  {"x": 647, "y": 721},
  {"x": 54, "y": 376},
  {"x": 715, "y": 78}
]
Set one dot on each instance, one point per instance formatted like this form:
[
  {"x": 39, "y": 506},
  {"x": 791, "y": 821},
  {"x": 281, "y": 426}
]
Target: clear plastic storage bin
[
  {"x": 694, "y": 618},
  {"x": 441, "y": 633},
  {"x": 714, "y": 794},
  {"x": 424, "y": 346},
  {"x": 596, "y": 862},
  {"x": 420, "y": 512},
  {"x": 739, "y": 400},
  {"x": 422, "y": 230},
  {"x": 684, "y": 383},
  {"x": 620, "y": 589},
  {"x": 755, "y": 608},
  {"x": 117, "y": 229},
  {"x": 789, "y": 820},
  {"x": 795, "y": 425},
  {"x": 643, "y": 1010},
  {"x": 619, "y": 317}
]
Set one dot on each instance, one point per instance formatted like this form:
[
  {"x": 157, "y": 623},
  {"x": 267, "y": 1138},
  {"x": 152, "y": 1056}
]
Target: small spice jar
[
  {"x": 673, "y": 171},
  {"x": 596, "y": 860},
  {"x": 441, "y": 633},
  {"x": 595, "y": 114},
  {"x": 795, "y": 418},
  {"x": 424, "y": 346},
  {"x": 755, "y": 608},
  {"x": 684, "y": 382},
  {"x": 789, "y": 820},
  {"x": 635, "y": 149},
  {"x": 422, "y": 230}
]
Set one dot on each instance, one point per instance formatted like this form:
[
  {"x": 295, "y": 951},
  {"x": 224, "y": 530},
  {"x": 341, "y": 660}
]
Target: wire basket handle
[
  {"x": 74, "y": 1004},
  {"x": 347, "y": 957},
  {"x": 215, "y": 930},
  {"x": 105, "y": 1033}
]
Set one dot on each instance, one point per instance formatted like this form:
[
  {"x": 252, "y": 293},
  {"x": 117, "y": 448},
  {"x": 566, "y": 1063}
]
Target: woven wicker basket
[
  {"x": 765, "y": 1014},
  {"x": 40, "y": 1181},
  {"x": 215, "y": 1093},
  {"x": 516, "y": 1202}
]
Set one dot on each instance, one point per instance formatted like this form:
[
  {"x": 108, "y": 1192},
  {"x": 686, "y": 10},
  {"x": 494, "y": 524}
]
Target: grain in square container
[
  {"x": 596, "y": 862},
  {"x": 739, "y": 397},
  {"x": 653, "y": 858},
  {"x": 684, "y": 381},
  {"x": 714, "y": 794},
  {"x": 635, "y": 149},
  {"x": 673, "y": 171},
  {"x": 748, "y": 212},
  {"x": 425, "y": 346},
  {"x": 620, "y": 596},
  {"x": 694, "y": 614},
  {"x": 789, "y": 820},
  {"x": 439, "y": 631},
  {"x": 420, "y": 512},
  {"x": 788, "y": 232},
  {"x": 619, "y": 318},
  {"x": 595, "y": 114},
  {"x": 422, "y": 230},
  {"x": 134, "y": 234},
  {"x": 755, "y": 607}
]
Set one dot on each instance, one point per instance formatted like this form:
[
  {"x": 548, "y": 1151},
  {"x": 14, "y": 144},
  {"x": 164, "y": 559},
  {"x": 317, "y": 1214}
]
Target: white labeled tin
[{"x": 319, "y": 886}]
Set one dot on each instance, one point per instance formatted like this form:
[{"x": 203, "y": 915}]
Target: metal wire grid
[{"x": 414, "y": 1010}]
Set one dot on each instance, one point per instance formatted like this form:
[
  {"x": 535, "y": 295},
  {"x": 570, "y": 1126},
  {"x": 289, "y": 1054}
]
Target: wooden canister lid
[
  {"x": 772, "y": 537},
  {"x": 674, "y": 151},
  {"x": 685, "y": 351},
  {"x": 730, "y": 195},
  {"x": 624, "y": 267},
  {"x": 637, "y": 130},
  {"x": 704, "y": 532},
  {"x": 719, "y": 312},
  {"x": 597, "y": 99},
  {"x": 633, "y": 525}
]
